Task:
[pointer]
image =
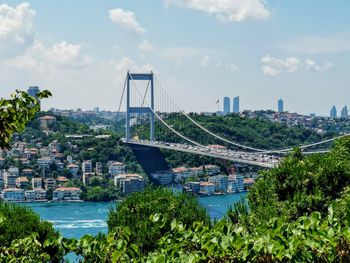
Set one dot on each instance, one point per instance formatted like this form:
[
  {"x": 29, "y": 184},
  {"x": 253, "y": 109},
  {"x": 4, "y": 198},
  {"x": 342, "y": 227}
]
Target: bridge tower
[{"x": 140, "y": 109}]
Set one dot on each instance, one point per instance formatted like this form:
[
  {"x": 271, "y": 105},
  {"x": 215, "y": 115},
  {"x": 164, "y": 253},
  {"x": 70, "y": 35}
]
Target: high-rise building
[
  {"x": 333, "y": 113},
  {"x": 236, "y": 104},
  {"x": 227, "y": 108},
  {"x": 33, "y": 91},
  {"x": 344, "y": 112},
  {"x": 280, "y": 105}
]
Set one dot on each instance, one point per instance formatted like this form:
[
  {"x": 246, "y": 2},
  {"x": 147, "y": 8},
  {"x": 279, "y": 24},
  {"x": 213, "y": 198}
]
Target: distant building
[
  {"x": 220, "y": 182},
  {"x": 61, "y": 180},
  {"x": 116, "y": 168},
  {"x": 248, "y": 183},
  {"x": 163, "y": 178},
  {"x": 46, "y": 121},
  {"x": 22, "y": 182},
  {"x": 33, "y": 91},
  {"x": 87, "y": 166},
  {"x": 9, "y": 180},
  {"x": 235, "y": 183},
  {"x": 49, "y": 184},
  {"x": 207, "y": 188},
  {"x": 13, "y": 195},
  {"x": 98, "y": 168},
  {"x": 195, "y": 187},
  {"x": 37, "y": 183},
  {"x": 13, "y": 171},
  {"x": 211, "y": 169},
  {"x": 235, "y": 105},
  {"x": 181, "y": 173},
  {"x": 227, "y": 107},
  {"x": 333, "y": 112},
  {"x": 66, "y": 194},
  {"x": 129, "y": 183},
  {"x": 87, "y": 177},
  {"x": 73, "y": 169},
  {"x": 35, "y": 195},
  {"x": 44, "y": 162},
  {"x": 280, "y": 105},
  {"x": 344, "y": 112}
]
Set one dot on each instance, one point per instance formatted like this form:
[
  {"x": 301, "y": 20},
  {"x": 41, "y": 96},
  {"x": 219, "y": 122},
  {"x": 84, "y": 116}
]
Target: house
[
  {"x": 248, "y": 183},
  {"x": 35, "y": 195},
  {"x": 46, "y": 121},
  {"x": 13, "y": 195},
  {"x": 115, "y": 168},
  {"x": 37, "y": 183},
  {"x": 22, "y": 182},
  {"x": 220, "y": 181},
  {"x": 181, "y": 173},
  {"x": 87, "y": 166},
  {"x": 211, "y": 169},
  {"x": 9, "y": 180},
  {"x": 44, "y": 162},
  {"x": 235, "y": 183},
  {"x": 207, "y": 188},
  {"x": 27, "y": 172},
  {"x": 73, "y": 169},
  {"x": 61, "y": 180},
  {"x": 49, "y": 183},
  {"x": 129, "y": 183},
  {"x": 66, "y": 194}
]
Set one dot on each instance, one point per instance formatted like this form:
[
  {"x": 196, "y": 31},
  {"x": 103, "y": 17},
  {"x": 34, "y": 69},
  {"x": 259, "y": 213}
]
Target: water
[{"x": 74, "y": 220}]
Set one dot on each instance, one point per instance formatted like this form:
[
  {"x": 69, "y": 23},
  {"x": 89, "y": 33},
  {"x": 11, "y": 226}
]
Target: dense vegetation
[{"x": 135, "y": 212}]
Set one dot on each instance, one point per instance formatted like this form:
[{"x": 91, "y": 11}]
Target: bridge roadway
[{"x": 257, "y": 159}]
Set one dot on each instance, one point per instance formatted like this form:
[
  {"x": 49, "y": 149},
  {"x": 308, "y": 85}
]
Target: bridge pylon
[{"x": 140, "y": 109}]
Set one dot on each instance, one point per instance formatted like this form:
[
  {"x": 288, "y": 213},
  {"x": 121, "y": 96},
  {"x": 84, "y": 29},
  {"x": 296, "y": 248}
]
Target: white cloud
[
  {"x": 231, "y": 66},
  {"x": 145, "y": 45},
  {"x": 205, "y": 61},
  {"x": 228, "y": 10},
  {"x": 16, "y": 28},
  {"x": 181, "y": 52},
  {"x": 127, "y": 20},
  {"x": 61, "y": 55},
  {"x": 273, "y": 66}
]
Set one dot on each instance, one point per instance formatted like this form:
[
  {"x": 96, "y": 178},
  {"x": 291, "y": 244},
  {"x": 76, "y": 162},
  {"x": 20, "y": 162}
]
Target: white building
[
  {"x": 87, "y": 166},
  {"x": 116, "y": 168},
  {"x": 37, "y": 183},
  {"x": 181, "y": 173},
  {"x": 129, "y": 183},
  {"x": 14, "y": 171},
  {"x": 13, "y": 195},
  {"x": 35, "y": 195},
  {"x": 235, "y": 183},
  {"x": 211, "y": 169},
  {"x": 9, "y": 180},
  {"x": 207, "y": 188},
  {"x": 66, "y": 194},
  {"x": 44, "y": 162}
]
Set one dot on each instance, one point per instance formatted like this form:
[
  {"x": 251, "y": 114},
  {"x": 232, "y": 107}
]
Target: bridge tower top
[{"x": 140, "y": 108}]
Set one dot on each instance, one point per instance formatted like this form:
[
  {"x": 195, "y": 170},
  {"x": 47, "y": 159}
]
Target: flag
[{"x": 217, "y": 102}]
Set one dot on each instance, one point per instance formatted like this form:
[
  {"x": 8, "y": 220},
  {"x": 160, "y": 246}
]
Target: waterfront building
[
  {"x": 73, "y": 169},
  {"x": 13, "y": 195},
  {"x": 235, "y": 104},
  {"x": 280, "y": 105},
  {"x": 220, "y": 182},
  {"x": 49, "y": 183},
  {"x": 66, "y": 194},
  {"x": 211, "y": 169},
  {"x": 333, "y": 112},
  {"x": 37, "y": 183},
  {"x": 227, "y": 107},
  {"x": 344, "y": 112},
  {"x": 163, "y": 178},
  {"x": 181, "y": 173},
  {"x": 235, "y": 183},
  {"x": 35, "y": 195},
  {"x": 9, "y": 180},
  {"x": 22, "y": 182},
  {"x": 87, "y": 166},
  {"x": 195, "y": 187},
  {"x": 129, "y": 183},
  {"x": 207, "y": 188},
  {"x": 115, "y": 168}
]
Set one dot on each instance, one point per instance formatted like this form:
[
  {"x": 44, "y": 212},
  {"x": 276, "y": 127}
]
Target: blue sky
[{"x": 201, "y": 50}]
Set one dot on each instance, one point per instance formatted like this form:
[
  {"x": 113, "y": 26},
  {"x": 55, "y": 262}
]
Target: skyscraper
[
  {"x": 236, "y": 104},
  {"x": 333, "y": 113},
  {"x": 344, "y": 112},
  {"x": 227, "y": 108},
  {"x": 33, "y": 91},
  {"x": 280, "y": 105}
]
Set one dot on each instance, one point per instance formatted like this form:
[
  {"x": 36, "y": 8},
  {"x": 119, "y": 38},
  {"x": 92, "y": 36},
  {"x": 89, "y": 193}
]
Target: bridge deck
[{"x": 209, "y": 154}]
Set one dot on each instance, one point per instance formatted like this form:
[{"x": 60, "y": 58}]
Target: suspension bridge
[{"x": 151, "y": 104}]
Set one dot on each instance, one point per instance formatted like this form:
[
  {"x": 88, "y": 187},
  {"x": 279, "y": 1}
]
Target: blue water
[{"x": 74, "y": 220}]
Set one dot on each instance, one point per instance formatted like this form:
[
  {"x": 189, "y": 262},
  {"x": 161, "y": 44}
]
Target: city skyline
[{"x": 83, "y": 61}]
